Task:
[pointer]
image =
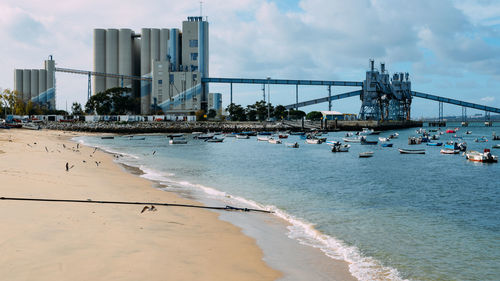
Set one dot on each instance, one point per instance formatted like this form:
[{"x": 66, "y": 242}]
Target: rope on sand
[{"x": 226, "y": 208}]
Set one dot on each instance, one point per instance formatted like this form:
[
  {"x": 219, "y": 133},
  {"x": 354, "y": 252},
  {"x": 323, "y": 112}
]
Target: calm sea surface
[{"x": 392, "y": 216}]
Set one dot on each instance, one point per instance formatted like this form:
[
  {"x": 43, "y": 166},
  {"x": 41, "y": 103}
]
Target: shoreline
[
  {"x": 296, "y": 259},
  {"x": 47, "y": 241}
]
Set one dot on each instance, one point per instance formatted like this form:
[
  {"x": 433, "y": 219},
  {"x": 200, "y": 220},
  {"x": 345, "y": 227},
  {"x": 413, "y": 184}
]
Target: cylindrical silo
[
  {"x": 34, "y": 85},
  {"x": 111, "y": 57},
  {"x": 99, "y": 59},
  {"x": 164, "y": 34},
  {"x": 42, "y": 85},
  {"x": 203, "y": 58},
  {"x": 145, "y": 69},
  {"x": 173, "y": 47},
  {"x": 155, "y": 44},
  {"x": 18, "y": 81},
  {"x": 125, "y": 54},
  {"x": 49, "y": 99},
  {"x": 26, "y": 85}
]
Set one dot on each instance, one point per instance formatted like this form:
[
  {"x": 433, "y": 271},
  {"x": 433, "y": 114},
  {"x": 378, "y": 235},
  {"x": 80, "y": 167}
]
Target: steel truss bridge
[{"x": 487, "y": 109}]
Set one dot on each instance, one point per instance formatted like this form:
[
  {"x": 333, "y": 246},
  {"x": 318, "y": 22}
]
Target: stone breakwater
[{"x": 228, "y": 126}]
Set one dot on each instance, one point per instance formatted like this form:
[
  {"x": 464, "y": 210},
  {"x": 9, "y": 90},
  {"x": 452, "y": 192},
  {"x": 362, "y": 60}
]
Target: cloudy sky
[{"x": 450, "y": 48}]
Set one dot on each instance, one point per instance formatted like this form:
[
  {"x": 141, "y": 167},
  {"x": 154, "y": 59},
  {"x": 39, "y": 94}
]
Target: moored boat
[
  {"x": 387, "y": 145},
  {"x": 313, "y": 141},
  {"x": 411, "y": 151},
  {"x": 274, "y": 141},
  {"x": 485, "y": 157},
  {"x": 366, "y": 154},
  {"x": 496, "y": 145},
  {"x": 215, "y": 140},
  {"x": 462, "y": 146},
  {"x": 434, "y": 144},
  {"x": 450, "y": 131},
  {"x": 107, "y": 138},
  {"x": 450, "y": 151},
  {"x": 356, "y": 139},
  {"x": 177, "y": 141},
  {"x": 262, "y": 138},
  {"x": 242, "y": 136},
  {"x": 383, "y": 139},
  {"x": 364, "y": 141},
  {"x": 283, "y": 136},
  {"x": 482, "y": 139},
  {"x": 414, "y": 140},
  {"x": 292, "y": 145},
  {"x": 339, "y": 147}
]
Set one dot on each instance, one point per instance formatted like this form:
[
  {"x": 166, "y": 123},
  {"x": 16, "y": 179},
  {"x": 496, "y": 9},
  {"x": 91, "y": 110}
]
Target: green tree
[
  {"x": 212, "y": 113},
  {"x": 76, "y": 109},
  {"x": 112, "y": 101},
  {"x": 251, "y": 112},
  {"x": 280, "y": 112},
  {"x": 314, "y": 115},
  {"x": 297, "y": 114},
  {"x": 236, "y": 112}
]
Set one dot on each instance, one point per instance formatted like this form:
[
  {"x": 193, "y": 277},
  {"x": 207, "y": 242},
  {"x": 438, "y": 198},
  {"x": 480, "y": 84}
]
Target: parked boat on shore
[{"x": 411, "y": 151}]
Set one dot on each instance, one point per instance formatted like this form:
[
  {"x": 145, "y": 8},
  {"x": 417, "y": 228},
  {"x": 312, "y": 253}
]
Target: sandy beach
[{"x": 62, "y": 241}]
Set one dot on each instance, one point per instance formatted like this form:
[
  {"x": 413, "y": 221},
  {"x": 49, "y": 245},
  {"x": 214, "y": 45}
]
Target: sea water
[{"x": 392, "y": 217}]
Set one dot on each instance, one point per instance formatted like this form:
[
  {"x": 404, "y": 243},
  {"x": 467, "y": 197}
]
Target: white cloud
[{"x": 488, "y": 99}]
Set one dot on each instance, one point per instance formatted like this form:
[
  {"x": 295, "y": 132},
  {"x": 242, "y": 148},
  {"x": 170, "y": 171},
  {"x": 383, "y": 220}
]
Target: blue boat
[
  {"x": 387, "y": 145},
  {"x": 455, "y": 145},
  {"x": 434, "y": 143}
]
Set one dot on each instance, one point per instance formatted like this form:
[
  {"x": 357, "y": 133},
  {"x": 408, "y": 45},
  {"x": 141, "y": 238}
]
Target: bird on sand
[{"x": 146, "y": 208}]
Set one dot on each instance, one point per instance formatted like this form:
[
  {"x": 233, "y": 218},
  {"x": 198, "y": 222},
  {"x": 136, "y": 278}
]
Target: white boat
[
  {"x": 313, "y": 141},
  {"x": 366, "y": 154},
  {"x": 31, "y": 126},
  {"x": 339, "y": 147},
  {"x": 357, "y": 139},
  {"x": 496, "y": 145},
  {"x": 450, "y": 151},
  {"x": 486, "y": 156},
  {"x": 177, "y": 141},
  {"x": 394, "y": 136},
  {"x": 243, "y": 137},
  {"x": 204, "y": 136},
  {"x": 383, "y": 139},
  {"x": 292, "y": 145},
  {"x": 215, "y": 140},
  {"x": 263, "y": 138},
  {"x": 196, "y": 133},
  {"x": 411, "y": 151},
  {"x": 366, "y": 131},
  {"x": 274, "y": 141}
]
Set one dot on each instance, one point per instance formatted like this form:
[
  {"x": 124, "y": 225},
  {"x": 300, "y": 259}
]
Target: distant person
[{"x": 67, "y": 166}]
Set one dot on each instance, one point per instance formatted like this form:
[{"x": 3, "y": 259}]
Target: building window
[
  {"x": 194, "y": 56},
  {"x": 160, "y": 82},
  {"x": 193, "y": 43},
  {"x": 160, "y": 65}
]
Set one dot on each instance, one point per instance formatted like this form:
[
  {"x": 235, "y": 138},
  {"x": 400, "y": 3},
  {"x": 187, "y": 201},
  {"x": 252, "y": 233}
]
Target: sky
[{"x": 450, "y": 48}]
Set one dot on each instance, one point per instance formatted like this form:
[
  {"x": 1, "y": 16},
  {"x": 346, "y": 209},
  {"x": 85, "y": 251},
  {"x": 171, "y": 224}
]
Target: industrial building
[
  {"x": 37, "y": 85},
  {"x": 174, "y": 60}
]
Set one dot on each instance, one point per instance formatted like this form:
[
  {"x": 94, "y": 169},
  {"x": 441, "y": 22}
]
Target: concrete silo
[
  {"x": 112, "y": 57},
  {"x": 50, "y": 95},
  {"x": 34, "y": 85},
  {"x": 164, "y": 35},
  {"x": 26, "y": 85},
  {"x": 125, "y": 54},
  {"x": 145, "y": 70},
  {"x": 18, "y": 81},
  {"x": 155, "y": 44},
  {"x": 173, "y": 48},
  {"x": 42, "y": 85},
  {"x": 203, "y": 58},
  {"x": 99, "y": 59}
]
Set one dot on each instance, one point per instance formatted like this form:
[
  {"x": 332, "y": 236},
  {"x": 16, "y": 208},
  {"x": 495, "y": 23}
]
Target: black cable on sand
[{"x": 226, "y": 208}]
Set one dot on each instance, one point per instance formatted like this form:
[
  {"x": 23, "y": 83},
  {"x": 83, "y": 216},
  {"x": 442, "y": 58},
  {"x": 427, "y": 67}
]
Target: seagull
[
  {"x": 153, "y": 208},
  {"x": 67, "y": 166},
  {"x": 84, "y": 161},
  {"x": 154, "y": 152},
  {"x": 46, "y": 149},
  {"x": 94, "y": 150},
  {"x": 146, "y": 208},
  {"x": 64, "y": 145}
]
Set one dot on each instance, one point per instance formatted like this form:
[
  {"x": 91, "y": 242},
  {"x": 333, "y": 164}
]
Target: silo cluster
[{"x": 36, "y": 85}]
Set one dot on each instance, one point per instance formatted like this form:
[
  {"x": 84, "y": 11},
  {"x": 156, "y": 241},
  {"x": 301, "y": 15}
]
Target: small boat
[
  {"x": 31, "y": 126},
  {"x": 283, "y": 136},
  {"x": 450, "y": 131},
  {"x": 411, "y": 151},
  {"x": 468, "y": 132},
  {"x": 496, "y": 145},
  {"x": 249, "y": 133},
  {"x": 495, "y": 137},
  {"x": 136, "y": 138},
  {"x": 348, "y": 135},
  {"x": 292, "y": 145},
  {"x": 383, "y": 139},
  {"x": 242, "y": 136},
  {"x": 205, "y": 136},
  {"x": 262, "y": 138},
  {"x": 366, "y": 154},
  {"x": 357, "y": 139},
  {"x": 364, "y": 141},
  {"x": 177, "y": 140},
  {"x": 434, "y": 144},
  {"x": 485, "y": 157},
  {"x": 313, "y": 141},
  {"x": 274, "y": 141},
  {"x": 387, "y": 145},
  {"x": 231, "y": 135},
  {"x": 366, "y": 131},
  {"x": 341, "y": 148},
  {"x": 107, "y": 138},
  {"x": 450, "y": 151},
  {"x": 414, "y": 140},
  {"x": 196, "y": 133},
  {"x": 394, "y": 136},
  {"x": 424, "y": 139},
  {"x": 483, "y": 139},
  {"x": 420, "y": 131},
  {"x": 297, "y": 133},
  {"x": 435, "y": 137},
  {"x": 175, "y": 136},
  {"x": 214, "y": 140},
  {"x": 462, "y": 146}
]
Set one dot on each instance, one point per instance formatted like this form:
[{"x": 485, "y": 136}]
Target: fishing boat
[
  {"x": 313, "y": 141},
  {"x": 348, "y": 134},
  {"x": 450, "y": 151},
  {"x": 420, "y": 131},
  {"x": 435, "y": 137},
  {"x": 482, "y": 139},
  {"x": 366, "y": 154},
  {"x": 107, "y": 138},
  {"x": 386, "y": 145},
  {"x": 31, "y": 126},
  {"x": 262, "y": 138},
  {"x": 242, "y": 136},
  {"x": 434, "y": 144},
  {"x": 462, "y": 146},
  {"x": 411, "y": 151},
  {"x": 214, "y": 140},
  {"x": 356, "y": 139},
  {"x": 292, "y": 145},
  {"x": 364, "y": 141},
  {"x": 341, "y": 148},
  {"x": 383, "y": 139},
  {"x": 274, "y": 141},
  {"x": 485, "y": 157}
]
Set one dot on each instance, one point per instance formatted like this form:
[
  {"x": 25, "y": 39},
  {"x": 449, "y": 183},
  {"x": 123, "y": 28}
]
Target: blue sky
[{"x": 450, "y": 48}]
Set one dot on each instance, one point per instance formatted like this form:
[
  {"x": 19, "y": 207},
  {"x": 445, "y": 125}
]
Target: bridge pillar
[
  {"x": 296, "y": 96},
  {"x": 89, "y": 90},
  {"x": 329, "y": 97},
  {"x": 440, "y": 111},
  {"x": 487, "y": 119},
  {"x": 464, "y": 117}
]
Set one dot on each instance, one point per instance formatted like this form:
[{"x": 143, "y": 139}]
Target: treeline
[
  {"x": 11, "y": 102},
  {"x": 261, "y": 110}
]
